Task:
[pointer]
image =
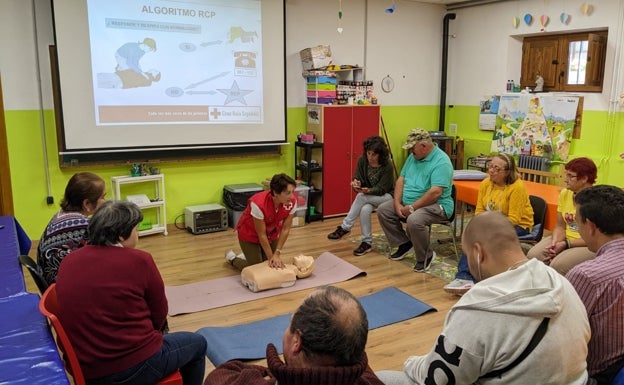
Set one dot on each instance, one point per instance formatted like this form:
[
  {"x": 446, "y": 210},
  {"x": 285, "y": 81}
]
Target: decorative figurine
[{"x": 539, "y": 84}]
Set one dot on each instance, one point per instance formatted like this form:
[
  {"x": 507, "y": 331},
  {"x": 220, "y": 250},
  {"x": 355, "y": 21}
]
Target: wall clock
[{"x": 387, "y": 84}]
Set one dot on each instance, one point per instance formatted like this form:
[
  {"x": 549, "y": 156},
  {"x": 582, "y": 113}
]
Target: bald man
[
  {"x": 522, "y": 323},
  {"x": 323, "y": 345}
]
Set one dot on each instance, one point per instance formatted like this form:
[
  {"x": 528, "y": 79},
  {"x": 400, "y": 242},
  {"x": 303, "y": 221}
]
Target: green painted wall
[
  {"x": 198, "y": 182},
  {"x": 602, "y": 139}
]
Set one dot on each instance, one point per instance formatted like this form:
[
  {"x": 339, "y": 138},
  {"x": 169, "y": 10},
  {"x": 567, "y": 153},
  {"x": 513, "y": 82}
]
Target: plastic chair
[
  {"x": 619, "y": 378},
  {"x": 35, "y": 272},
  {"x": 48, "y": 306},
  {"x": 539, "y": 216}
]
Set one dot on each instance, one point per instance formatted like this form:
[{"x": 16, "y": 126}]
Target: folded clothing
[{"x": 469, "y": 175}]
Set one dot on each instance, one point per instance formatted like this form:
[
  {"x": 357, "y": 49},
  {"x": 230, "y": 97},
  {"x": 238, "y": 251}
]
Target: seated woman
[
  {"x": 374, "y": 184},
  {"x": 502, "y": 191},
  {"x": 67, "y": 230},
  {"x": 565, "y": 248},
  {"x": 113, "y": 306},
  {"x": 265, "y": 223}
]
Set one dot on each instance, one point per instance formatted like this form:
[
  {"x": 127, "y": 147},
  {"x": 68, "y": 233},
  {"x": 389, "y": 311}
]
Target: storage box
[
  {"x": 321, "y": 94},
  {"x": 301, "y": 192},
  {"x": 233, "y": 217},
  {"x": 235, "y": 197},
  {"x": 315, "y": 57},
  {"x": 321, "y": 100},
  {"x": 299, "y": 218}
]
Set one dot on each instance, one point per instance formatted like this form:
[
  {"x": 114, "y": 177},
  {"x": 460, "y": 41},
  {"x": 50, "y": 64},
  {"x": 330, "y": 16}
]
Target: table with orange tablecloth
[{"x": 467, "y": 191}]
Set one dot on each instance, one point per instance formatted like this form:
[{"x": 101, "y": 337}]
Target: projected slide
[{"x": 176, "y": 62}]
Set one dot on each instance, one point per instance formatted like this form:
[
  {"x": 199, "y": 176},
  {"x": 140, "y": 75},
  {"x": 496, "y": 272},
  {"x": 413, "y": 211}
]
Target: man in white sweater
[{"x": 522, "y": 323}]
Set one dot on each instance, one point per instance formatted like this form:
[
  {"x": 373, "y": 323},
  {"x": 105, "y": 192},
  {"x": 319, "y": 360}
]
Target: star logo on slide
[{"x": 234, "y": 94}]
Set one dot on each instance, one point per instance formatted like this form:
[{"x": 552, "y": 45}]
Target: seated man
[
  {"x": 324, "y": 344},
  {"x": 522, "y": 323},
  {"x": 422, "y": 196},
  {"x": 598, "y": 281}
]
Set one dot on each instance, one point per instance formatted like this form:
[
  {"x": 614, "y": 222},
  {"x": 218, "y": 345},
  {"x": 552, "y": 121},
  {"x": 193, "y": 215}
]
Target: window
[{"x": 568, "y": 62}]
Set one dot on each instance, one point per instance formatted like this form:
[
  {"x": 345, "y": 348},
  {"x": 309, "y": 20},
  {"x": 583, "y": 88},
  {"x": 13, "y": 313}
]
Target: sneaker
[
  {"x": 229, "y": 256},
  {"x": 425, "y": 265},
  {"x": 459, "y": 286},
  {"x": 338, "y": 233},
  {"x": 362, "y": 249},
  {"x": 401, "y": 251}
]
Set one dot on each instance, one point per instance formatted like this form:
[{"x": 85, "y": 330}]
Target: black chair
[
  {"x": 450, "y": 222},
  {"x": 539, "y": 216},
  {"x": 35, "y": 272}
]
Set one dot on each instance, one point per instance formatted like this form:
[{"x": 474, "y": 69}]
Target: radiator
[{"x": 533, "y": 162}]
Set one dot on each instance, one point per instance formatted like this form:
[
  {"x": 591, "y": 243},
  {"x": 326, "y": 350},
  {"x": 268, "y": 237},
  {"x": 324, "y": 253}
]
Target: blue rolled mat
[{"x": 249, "y": 341}]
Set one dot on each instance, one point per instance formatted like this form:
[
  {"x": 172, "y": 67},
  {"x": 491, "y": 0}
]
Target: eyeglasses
[
  {"x": 570, "y": 176},
  {"x": 496, "y": 168}
]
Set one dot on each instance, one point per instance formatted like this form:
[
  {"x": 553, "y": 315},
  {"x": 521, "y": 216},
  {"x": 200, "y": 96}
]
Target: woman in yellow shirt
[
  {"x": 502, "y": 191},
  {"x": 565, "y": 248}
]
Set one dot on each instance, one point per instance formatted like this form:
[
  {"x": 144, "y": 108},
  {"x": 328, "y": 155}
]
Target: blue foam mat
[{"x": 249, "y": 341}]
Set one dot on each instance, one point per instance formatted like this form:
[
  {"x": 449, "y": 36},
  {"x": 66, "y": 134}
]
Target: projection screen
[{"x": 164, "y": 74}]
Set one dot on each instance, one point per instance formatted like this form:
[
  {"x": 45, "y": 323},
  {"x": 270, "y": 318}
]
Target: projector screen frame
[{"x": 158, "y": 153}]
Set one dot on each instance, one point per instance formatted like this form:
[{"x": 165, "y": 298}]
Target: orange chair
[{"x": 48, "y": 306}]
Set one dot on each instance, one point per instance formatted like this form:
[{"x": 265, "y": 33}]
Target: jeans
[
  {"x": 180, "y": 350},
  {"x": 363, "y": 206},
  {"x": 463, "y": 272}
]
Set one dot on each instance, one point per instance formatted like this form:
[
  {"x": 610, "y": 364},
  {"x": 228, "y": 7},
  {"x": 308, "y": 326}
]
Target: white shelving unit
[{"x": 157, "y": 201}]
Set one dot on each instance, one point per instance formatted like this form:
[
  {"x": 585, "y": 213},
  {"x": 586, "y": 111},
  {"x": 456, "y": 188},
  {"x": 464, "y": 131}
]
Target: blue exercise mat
[{"x": 249, "y": 341}]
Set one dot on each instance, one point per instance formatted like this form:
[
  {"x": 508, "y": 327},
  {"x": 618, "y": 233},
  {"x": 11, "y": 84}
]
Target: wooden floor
[{"x": 184, "y": 258}]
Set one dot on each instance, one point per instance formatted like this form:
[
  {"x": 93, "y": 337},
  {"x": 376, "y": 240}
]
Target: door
[
  {"x": 365, "y": 124},
  {"x": 540, "y": 57},
  {"x": 6, "y": 196},
  {"x": 337, "y": 123}
]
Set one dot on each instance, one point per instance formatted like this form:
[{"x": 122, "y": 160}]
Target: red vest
[{"x": 272, "y": 219}]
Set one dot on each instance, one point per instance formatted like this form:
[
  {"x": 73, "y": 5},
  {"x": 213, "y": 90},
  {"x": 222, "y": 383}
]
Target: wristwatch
[{"x": 411, "y": 209}]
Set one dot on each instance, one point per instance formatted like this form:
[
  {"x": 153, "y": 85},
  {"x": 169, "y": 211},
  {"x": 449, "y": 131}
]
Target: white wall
[
  {"x": 18, "y": 60},
  {"x": 405, "y": 45},
  {"x": 487, "y": 50}
]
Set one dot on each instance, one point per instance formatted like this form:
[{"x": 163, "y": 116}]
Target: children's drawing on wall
[
  {"x": 535, "y": 125},
  {"x": 487, "y": 114}
]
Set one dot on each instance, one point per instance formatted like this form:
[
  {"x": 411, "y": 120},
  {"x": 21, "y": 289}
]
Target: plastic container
[
  {"x": 235, "y": 197},
  {"x": 299, "y": 218},
  {"x": 302, "y": 192}
]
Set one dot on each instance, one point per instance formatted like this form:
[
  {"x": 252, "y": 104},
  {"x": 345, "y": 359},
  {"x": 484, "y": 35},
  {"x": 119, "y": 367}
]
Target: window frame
[{"x": 546, "y": 51}]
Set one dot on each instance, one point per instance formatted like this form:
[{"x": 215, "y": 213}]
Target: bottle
[{"x": 508, "y": 85}]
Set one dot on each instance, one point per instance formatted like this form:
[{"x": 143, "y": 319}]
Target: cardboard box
[{"x": 315, "y": 57}]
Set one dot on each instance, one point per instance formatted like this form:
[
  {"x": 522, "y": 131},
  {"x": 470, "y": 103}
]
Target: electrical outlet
[{"x": 452, "y": 129}]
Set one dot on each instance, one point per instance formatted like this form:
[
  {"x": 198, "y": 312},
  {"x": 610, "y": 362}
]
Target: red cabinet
[{"x": 342, "y": 129}]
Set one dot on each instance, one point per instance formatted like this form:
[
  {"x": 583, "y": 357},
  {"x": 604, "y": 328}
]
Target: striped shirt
[{"x": 600, "y": 284}]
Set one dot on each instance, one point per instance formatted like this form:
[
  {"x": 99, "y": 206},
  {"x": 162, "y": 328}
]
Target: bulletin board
[{"x": 537, "y": 124}]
